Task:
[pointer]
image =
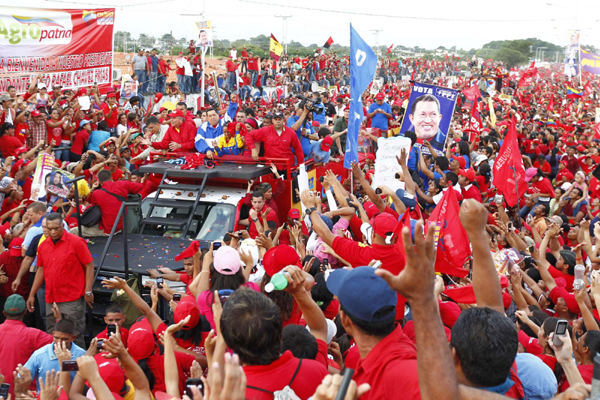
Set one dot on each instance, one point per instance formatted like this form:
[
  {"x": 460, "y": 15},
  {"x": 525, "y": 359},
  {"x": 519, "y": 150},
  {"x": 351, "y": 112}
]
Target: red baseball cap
[
  {"x": 111, "y": 373},
  {"x": 15, "y": 247},
  {"x": 380, "y": 96},
  {"x": 189, "y": 252},
  {"x": 279, "y": 257},
  {"x": 177, "y": 113},
  {"x": 187, "y": 306},
  {"x": 370, "y": 208},
  {"x": 468, "y": 173},
  {"x": 36, "y": 113},
  {"x": 20, "y": 151},
  {"x": 141, "y": 342},
  {"x": 294, "y": 213},
  {"x": 316, "y": 124},
  {"x": 384, "y": 225},
  {"x": 157, "y": 97},
  {"x": 326, "y": 143},
  {"x": 461, "y": 161}
]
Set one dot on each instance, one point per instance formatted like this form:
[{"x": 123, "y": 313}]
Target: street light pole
[
  {"x": 376, "y": 32},
  {"x": 284, "y": 23}
]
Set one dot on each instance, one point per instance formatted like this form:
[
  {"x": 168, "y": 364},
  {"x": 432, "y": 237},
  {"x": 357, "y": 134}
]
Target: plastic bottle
[
  {"x": 278, "y": 282},
  {"x": 579, "y": 283}
]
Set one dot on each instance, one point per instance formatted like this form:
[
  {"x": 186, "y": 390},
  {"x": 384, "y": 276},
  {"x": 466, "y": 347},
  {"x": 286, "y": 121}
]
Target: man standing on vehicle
[
  {"x": 179, "y": 137},
  {"x": 259, "y": 213},
  {"x": 210, "y": 131},
  {"x": 278, "y": 140}
]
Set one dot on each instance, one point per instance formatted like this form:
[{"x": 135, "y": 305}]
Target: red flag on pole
[
  {"x": 551, "y": 104},
  {"x": 509, "y": 165},
  {"x": 475, "y": 122},
  {"x": 389, "y": 50},
  {"x": 587, "y": 89},
  {"x": 328, "y": 43},
  {"x": 472, "y": 93},
  {"x": 527, "y": 77},
  {"x": 453, "y": 248}
]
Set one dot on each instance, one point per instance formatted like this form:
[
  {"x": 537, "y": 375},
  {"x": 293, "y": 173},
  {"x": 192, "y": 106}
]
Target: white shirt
[{"x": 233, "y": 53}]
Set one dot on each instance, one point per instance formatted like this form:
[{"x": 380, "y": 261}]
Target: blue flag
[{"x": 363, "y": 64}]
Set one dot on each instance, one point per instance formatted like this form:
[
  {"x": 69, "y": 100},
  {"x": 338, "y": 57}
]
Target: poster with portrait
[
  {"x": 429, "y": 113},
  {"x": 57, "y": 185},
  {"x": 205, "y": 38},
  {"x": 41, "y": 176},
  {"x": 129, "y": 87}
]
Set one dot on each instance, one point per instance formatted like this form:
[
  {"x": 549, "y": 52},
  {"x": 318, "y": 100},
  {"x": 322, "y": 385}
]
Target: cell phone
[
  {"x": 378, "y": 191},
  {"x": 346, "y": 380},
  {"x": 509, "y": 225},
  {"x": 99, "y": 344},
  {"x": 70, "y": 366},
  {"x": 325, "y": 264},
  {"x": 159, "y": 282},
  {"x": 560, "y": 330},
  {"x": 285, "y": 225},
  {"x": 193, "y": 382},
  {"x": 176, "y": 297},
  {"x": 321, "y": 179},
  {"x": 111, "y": 328},
  {"x": 4, "y": 389},
  {"x": 224, "y": 295},
  {"x": 216, "y": 246}
]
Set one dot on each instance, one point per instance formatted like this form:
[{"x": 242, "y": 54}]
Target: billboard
[
  {"x": 429, "y": 113},
  {"x": 205, "y": 38},
  {"x": 68, "y": 47}
]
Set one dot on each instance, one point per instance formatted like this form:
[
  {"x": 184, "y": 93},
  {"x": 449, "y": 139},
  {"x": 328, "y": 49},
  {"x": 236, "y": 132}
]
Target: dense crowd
[{"x": 283, "y": 306}]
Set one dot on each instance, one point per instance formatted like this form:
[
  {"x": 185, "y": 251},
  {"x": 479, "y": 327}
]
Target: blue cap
[
  {"x": 83, "y": 122},
  {"x": 409, "y": 200},
  {"x": 327, "y": 221},
  {"x": 362, "y": 293}
]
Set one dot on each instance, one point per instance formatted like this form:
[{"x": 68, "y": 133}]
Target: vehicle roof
[{"x": 211, "y": 194}]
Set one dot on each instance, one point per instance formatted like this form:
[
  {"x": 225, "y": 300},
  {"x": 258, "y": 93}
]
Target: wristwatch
[
  {"x": 254, "y": 219},
  {"x": 88, "y": 293},
  {"x": 310, "y": 210}
]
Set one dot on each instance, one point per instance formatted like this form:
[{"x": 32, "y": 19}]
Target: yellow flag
[
  {"x": 492, "y": 112},
  {"x": 276, "y": 48}
]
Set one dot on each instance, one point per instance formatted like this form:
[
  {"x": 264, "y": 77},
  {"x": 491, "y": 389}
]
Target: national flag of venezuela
[
  {"x": 573, "y": 93},
  {"x": 276, "y": 48}
]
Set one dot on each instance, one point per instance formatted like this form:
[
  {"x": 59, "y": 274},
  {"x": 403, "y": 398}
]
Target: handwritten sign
[{"x": 386, "y": 164}]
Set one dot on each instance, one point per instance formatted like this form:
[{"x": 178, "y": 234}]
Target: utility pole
[
  {"x": 284, "y": 20},
  {"x": 171, "y": 52},
  {"x": 376, "y": 32}
]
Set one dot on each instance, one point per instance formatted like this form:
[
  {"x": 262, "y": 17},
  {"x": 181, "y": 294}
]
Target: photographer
[
  {"x": 303, "y": 128},
  {"x": 318, "y": 109}
]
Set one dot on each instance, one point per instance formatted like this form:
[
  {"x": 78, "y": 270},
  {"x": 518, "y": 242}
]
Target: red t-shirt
[
  {"x": 109, "y": 204},
  {"x": 21, "y": 132},
  {"x": 54, "y": 134},
  {"x": 586, "y": 371},
  {"x": 360, "y": 254},
  {"x": 9, "y": 145},
  {"x": 79, "y": 141},
  {"x": 113, "y": 121},
  {"x": 271, "y": 216},
  {"x": 279, "y": 373}
]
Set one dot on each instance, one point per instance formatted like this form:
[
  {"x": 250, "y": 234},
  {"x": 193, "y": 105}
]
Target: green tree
[{"x": 511, "y": 57}]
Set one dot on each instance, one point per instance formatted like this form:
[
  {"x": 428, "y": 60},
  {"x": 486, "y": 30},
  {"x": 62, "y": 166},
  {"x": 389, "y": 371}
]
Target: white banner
[{"x": 386, "y": 164}]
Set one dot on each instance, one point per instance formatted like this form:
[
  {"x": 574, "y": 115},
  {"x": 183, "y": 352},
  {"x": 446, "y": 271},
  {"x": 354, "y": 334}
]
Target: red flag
[
  {"x": 472, "y": 93},
  {"x": 447, "y": 57},
  {"x": 475, "y": 122},
  {"x": 507, "y": 165},
  {"x": 587, "y": 89},
  {"x": 527, "y": 77},
  {"x": 462, "y": 294},
  {"x": 551, "y": 104},
  {"x": 328, "y": 43},
  {"x": 453, "y": 248},
  {"x": 597, "y": 131},
  {"x": 389, "y": 50}
]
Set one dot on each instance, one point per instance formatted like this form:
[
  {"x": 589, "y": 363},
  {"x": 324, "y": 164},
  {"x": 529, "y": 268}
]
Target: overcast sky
[{"x": 463, "y": 23}]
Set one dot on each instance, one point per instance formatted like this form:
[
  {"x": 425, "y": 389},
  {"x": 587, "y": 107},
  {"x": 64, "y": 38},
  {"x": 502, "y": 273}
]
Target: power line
[{"x": 364, "y": 14}]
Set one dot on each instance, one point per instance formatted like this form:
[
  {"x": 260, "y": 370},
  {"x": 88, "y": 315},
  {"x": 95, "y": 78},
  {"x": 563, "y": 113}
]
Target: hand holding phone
[
  {"x": 560, "y": 330},
  {"x": 70, "y": 366},
  {"x": 159, "y": 282},
  {"x": 189, "y": 383}
]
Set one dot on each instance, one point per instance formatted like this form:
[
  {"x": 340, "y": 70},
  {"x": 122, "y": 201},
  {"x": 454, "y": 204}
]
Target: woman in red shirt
[
  {"x": 8, "y": 142},
  {"x": 56, "y": 128},
  {"x": 79, "y": 140}
]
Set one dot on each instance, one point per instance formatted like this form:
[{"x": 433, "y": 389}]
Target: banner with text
[
  {"x": 68, "y": 47},
  {"x": 429, "y": 113},
  {"x": 386, "y": 163},
  {"x": 590, "y": 62}
]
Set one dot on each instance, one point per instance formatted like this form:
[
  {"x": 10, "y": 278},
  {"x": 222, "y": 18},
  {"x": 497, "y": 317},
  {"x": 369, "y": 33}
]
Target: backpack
[
  {"x": 92, "y": 215},
  {"x": 287, "y": 393}
]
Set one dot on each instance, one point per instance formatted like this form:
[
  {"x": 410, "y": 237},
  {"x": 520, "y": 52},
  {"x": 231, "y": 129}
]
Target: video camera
[{"x": 315, "y": 105}]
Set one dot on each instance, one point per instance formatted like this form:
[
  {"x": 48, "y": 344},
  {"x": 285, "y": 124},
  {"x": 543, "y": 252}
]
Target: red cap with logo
[
  {"x": 187, "y": 306},
  {"x": 294, "y": 213},
  {"x": 15, "y": 247},
  {"x": 141, "y": 343},
  {"x": 468, "y": 173},
  {"x": 177, "y": 113},
  {"x": 189, "y": 252},
  {"x": 380, "y": 96},
  {"x": 326, "y": 143},
  {"x": 384, "y": 225}
]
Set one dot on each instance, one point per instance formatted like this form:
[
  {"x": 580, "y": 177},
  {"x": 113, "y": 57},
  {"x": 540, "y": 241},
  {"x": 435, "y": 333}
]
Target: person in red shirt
[
  {"x": 253, "y": 67},
  {"x": 252, "y": 327},
  {"x": 563, "y": 175},
  {"x": 540, "y": 188},
  {"x": 106, "y": 199},
  {"x": 543, "y": 165},
  {"x": 278, "y": 141},
  {"x": 588, "y": 345},
  {"x": 114, "y": 316},
  {"x": 368, "y": 314},
  {"x": 66, "y": 266},
  {"x": 180, "y": 137},
  {"x": 468, "y": 190},
  {"x": 17, "y": 342},
  {"x": 149, "y": 185},
  {"x": 8, "y": 142},
  {"x": 80, "y": 140},
  {"x": 258, "y": 214},
  {"x": 111, "y": 112}
]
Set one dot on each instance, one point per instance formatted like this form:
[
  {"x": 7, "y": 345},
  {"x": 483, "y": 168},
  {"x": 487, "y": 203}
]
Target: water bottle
[
  {"x": 579, "y": 283},
  {"x": 278, "y": 282}
]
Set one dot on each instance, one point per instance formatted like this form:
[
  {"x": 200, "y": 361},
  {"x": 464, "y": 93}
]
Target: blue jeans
[
  {"x": 142, "y": 80},
  {"x": 254, "y": 77},
  {"x": 152, "y": 82},
  {"x": 245, "y": 92},
  {"x": 161, "y": 81},
  {"x": 231, "y": 80},
  {"x": 188, "y": 84},
  {"x": 195, "y": 80},
  {"x": 181, "y": 82}
]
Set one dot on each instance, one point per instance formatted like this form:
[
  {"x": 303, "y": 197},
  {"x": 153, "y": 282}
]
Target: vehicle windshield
[{"x": 211, "y": 221}]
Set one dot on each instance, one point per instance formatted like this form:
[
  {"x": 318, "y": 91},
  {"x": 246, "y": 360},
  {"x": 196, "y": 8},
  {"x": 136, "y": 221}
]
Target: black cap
[
  {"x": 278, "y": 114},
  {"x": 137, "y": 172}
]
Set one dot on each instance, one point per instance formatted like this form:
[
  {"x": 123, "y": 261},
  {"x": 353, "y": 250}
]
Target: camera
[{"x": 315, "y": 105}]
